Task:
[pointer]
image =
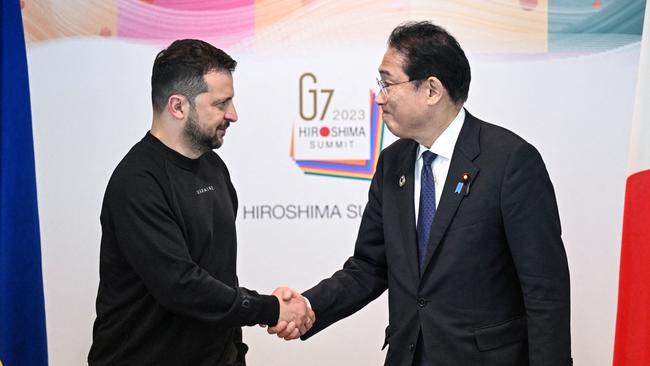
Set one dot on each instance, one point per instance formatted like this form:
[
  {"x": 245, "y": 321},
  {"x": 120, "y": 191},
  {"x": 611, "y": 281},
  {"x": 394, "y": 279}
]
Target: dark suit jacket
[{"x": 495, "y": 286}]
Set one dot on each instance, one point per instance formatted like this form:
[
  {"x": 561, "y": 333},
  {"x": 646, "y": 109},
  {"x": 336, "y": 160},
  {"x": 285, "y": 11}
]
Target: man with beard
[{"x": 168, "y": 291}]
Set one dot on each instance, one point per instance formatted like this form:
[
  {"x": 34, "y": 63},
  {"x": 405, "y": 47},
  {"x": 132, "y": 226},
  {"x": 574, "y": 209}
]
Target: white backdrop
[{"x": 90, "y": 101}]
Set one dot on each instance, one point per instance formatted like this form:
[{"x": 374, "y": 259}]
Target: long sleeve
[
  {"x": 151, "y": 241},
  {"x": 533, "y": 232},
  {"x": 363, "y": 276}
]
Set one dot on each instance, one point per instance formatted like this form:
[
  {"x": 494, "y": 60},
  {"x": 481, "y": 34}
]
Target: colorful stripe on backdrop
[{"x": 560, "y": 27}]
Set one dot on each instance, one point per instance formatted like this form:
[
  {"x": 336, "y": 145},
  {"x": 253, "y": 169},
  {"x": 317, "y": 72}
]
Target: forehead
[
  {"x": 392, "y": 65},
  {"x": 219, "y": 83}
]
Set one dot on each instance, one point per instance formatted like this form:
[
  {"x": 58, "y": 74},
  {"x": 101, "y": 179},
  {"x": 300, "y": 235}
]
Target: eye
[{"x": 221, "y": 104}]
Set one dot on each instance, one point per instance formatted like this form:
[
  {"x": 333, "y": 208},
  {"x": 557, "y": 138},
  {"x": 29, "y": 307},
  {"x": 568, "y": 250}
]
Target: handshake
[{"x": 296, "y": 316}]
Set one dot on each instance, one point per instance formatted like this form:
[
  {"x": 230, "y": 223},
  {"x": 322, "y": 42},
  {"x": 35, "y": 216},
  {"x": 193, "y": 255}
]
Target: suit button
[
  {"x": 422, "y": 302},
  {"x": 411, "y": 347}
]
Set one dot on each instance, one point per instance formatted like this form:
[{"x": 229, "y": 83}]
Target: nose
[
  {"x": 380, "y": 98},
  {"x": 231, "y": 113}
]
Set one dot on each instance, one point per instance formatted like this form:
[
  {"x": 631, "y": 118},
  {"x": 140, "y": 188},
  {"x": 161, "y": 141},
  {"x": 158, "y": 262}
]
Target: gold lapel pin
[{"x": 402, "y": 181}]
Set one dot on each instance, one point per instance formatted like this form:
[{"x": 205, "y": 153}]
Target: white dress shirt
[{"x": 444, "y": 148}]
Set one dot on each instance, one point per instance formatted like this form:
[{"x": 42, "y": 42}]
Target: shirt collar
[{"x": 444, "y": 144}]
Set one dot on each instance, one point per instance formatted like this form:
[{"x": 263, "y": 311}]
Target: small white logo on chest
[{"x": 204, "y": 190}]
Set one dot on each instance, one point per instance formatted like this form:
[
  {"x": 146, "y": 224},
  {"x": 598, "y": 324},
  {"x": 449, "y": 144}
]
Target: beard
[{"x": 200, "y": 139}]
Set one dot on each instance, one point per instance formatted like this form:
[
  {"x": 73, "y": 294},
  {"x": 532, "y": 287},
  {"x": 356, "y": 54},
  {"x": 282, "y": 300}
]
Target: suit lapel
[
  {"x": 466, "y": 150},
  {"x": 405, "y": 206}
]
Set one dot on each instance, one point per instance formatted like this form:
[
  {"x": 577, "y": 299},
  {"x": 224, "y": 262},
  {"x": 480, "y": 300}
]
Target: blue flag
[{"x": 22, "y": 312}]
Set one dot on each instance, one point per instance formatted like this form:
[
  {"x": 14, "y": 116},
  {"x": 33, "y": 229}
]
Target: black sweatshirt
[{"x": 168, "y": 290}]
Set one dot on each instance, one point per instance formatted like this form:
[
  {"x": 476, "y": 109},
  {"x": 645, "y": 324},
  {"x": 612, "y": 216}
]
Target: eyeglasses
[{"x": 383, "y": 86}]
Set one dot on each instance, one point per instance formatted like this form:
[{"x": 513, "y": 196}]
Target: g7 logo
[{"x": 314, "y": 98}]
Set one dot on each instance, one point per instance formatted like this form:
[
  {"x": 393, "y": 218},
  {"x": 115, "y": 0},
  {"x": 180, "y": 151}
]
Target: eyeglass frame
[{"x": 383, "y": 87}]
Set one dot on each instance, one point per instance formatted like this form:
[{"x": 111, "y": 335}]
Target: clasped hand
[{"x": 296, "y": 317}]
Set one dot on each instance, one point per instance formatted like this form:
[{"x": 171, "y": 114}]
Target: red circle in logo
[{"x": 324, "y": 131}]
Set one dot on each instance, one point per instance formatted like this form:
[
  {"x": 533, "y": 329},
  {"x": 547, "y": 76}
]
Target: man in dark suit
[{"x": 461, "y": 227}]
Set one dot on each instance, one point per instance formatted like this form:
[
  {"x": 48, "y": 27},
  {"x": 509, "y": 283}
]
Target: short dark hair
[
  {"x": 429, "y": 50},
  {"x": 179, "y": 69}
]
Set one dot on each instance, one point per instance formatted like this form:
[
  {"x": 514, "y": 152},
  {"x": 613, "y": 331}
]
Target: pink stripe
[
  {"x": 202, "y": 5},
  {"x": 223, "y": 26}
]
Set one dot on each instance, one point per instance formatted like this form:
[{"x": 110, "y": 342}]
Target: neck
[
  {"x": 440, "y": 121},
  {"x": 173, "y": 139}
]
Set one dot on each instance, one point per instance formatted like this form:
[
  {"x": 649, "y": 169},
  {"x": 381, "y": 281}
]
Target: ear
[
  {"x": 178, "y": 106},
  {"x": 435, "y": 90}
]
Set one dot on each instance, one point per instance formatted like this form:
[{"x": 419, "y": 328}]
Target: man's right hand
[{"x": 296, "y": 318}]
